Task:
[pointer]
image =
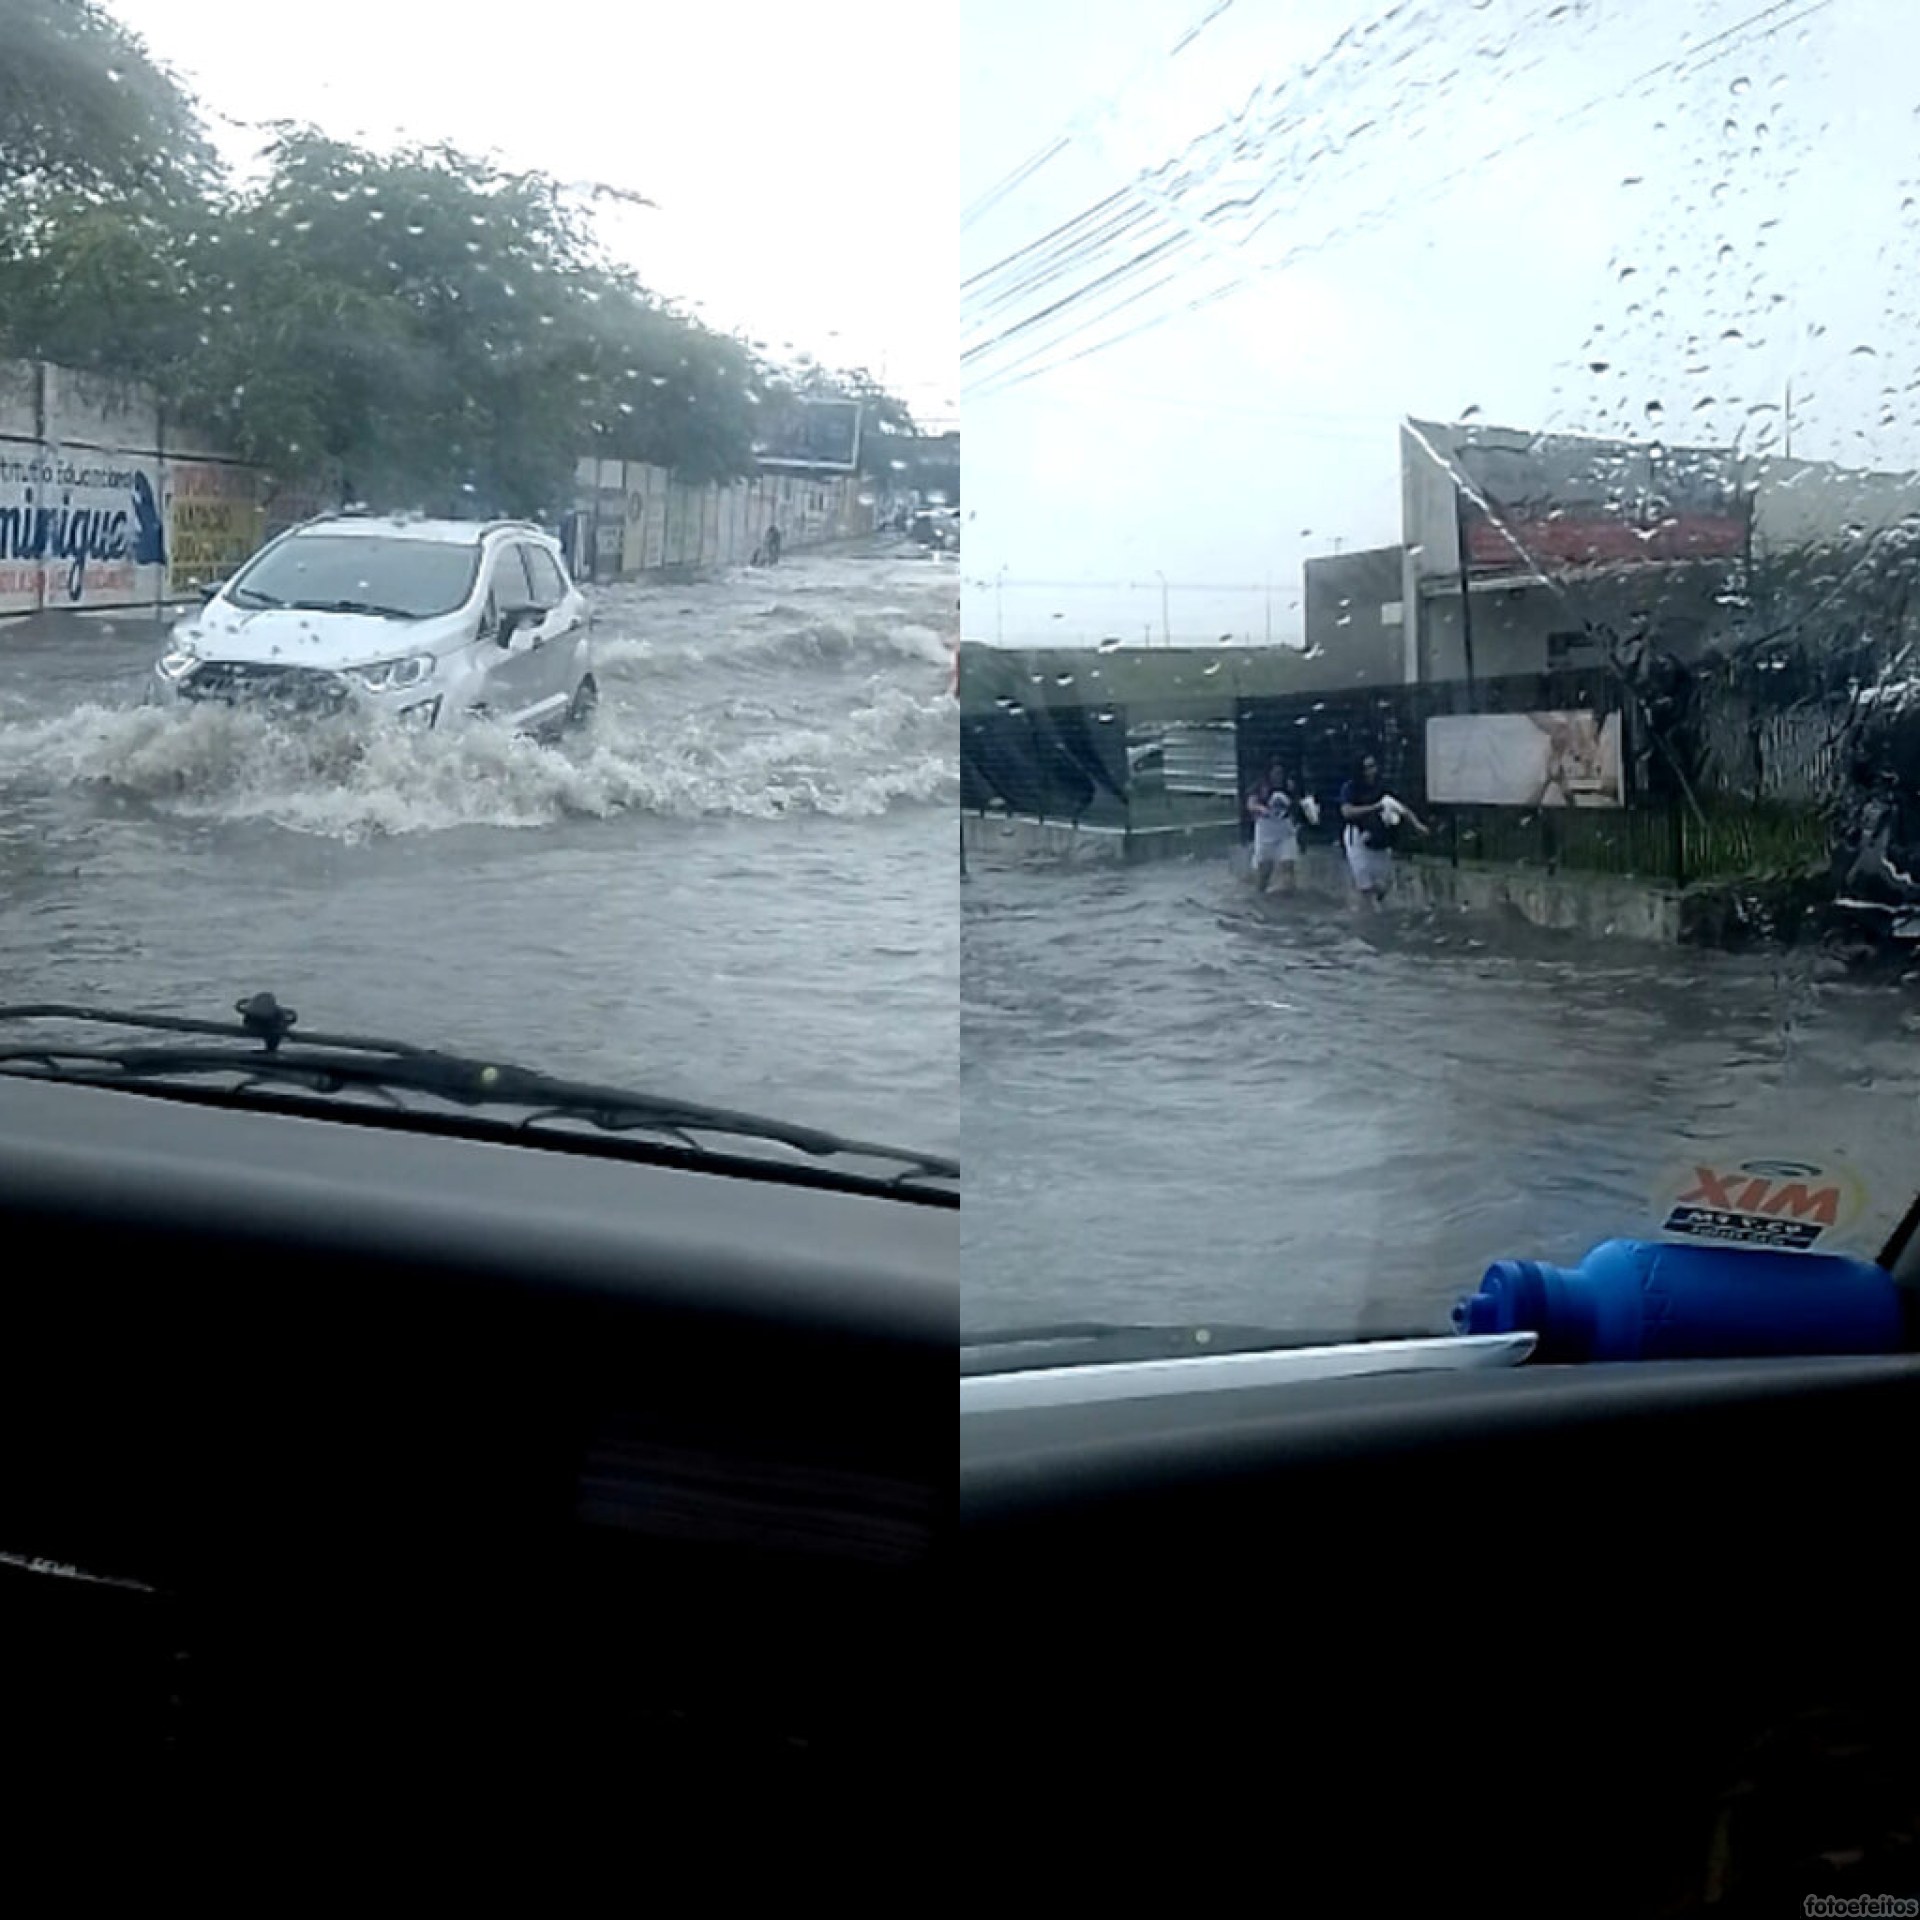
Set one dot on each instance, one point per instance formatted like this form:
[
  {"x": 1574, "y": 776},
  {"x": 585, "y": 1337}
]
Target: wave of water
[
  {"x": 717, "y": 699},
  {"x": 349, "y": 780}
]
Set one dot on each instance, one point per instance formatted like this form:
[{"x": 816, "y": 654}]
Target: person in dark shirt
[{"x": 1373, "y": 819}]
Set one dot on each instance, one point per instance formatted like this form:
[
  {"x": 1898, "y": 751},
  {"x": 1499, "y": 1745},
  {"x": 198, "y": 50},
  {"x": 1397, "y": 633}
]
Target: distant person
[
  {"x": 1373, "y": 819},
  {"x": 1278, "y": 814},
  {"x": 773, "y": 546}
]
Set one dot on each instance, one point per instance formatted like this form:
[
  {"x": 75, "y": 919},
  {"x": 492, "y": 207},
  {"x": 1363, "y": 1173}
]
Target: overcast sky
[
  {"x": 1629, "y": 218},
  {"x": 802, "y": 158}
]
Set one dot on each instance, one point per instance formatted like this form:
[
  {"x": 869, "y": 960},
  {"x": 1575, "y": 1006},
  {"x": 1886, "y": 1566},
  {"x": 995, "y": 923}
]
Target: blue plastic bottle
[{"x": 1648, "y": 1300}]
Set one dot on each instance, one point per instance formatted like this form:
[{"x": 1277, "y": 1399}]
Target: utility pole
[
  {"x": 1466, "y": 587},
  {"x": 1789, "y": 448},
  {"x": 1269, "y": 609},
  {"x": 1166, "y": 631},
  {"x": 999, "y": 623}
]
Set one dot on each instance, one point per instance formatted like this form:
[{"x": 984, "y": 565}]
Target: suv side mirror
[
  {"x": 512, "y": 619},
  {"x": 204, "y": 590}
]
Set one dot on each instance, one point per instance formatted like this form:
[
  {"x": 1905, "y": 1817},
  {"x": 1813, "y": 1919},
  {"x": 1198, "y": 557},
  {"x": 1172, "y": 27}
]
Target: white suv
[{"x": 426, "y": 620}]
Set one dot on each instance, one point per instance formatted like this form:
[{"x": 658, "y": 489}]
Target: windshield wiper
[
  {"x": 252, "y": 597},
  {"x": 353, "y": 606},
  {"x": 334, "y": 1063}
]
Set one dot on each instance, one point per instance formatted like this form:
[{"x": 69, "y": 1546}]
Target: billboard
[
  {"x": 1572, "y": 502},
  {"x": 1564, "y": 759},
  {"x": 822, "y": 436},
  {"x": 78, "y": 527},
  {"x": 215, "y": 520}
]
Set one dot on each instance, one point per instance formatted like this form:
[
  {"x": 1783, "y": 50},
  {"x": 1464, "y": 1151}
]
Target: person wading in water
[{"x": 1373, "y": 818}]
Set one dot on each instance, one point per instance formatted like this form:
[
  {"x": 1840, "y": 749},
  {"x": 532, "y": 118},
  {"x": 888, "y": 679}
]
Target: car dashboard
[
  {"x": 1623, "y": 1640},
  {"x": 332, "y": 1446}
]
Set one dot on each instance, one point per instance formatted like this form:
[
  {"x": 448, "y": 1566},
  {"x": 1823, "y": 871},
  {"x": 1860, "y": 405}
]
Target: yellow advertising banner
[{"x": 214, "y": 520}]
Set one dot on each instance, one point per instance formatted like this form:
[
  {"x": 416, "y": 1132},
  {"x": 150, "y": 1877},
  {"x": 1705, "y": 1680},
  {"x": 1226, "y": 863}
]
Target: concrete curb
[{"x": 1600, "y": 906}]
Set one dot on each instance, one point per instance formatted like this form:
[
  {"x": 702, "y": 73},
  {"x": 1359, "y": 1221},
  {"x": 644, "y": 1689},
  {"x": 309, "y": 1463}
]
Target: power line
[
  {"x": 1064, "y": 139},
  {"x": 1013, "y": 376},
  {"x": 1310, "y": 72},
  {"x": 1034, "y": 363}
]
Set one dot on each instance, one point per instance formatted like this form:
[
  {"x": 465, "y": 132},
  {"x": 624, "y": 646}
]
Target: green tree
[
  {"x": 86, "y": 110},
  {"x": 421, "y": 329},
  {"x": 435, "y": 332}
]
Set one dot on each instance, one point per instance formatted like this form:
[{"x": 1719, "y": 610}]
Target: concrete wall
[
  {"x": 104, "y": 504},
  {"x": 640, "y": 519},
  {"x": 1800, "y": 503},
  {"x": 1515, "y": 625},
  {"x": 1595, "y": 906},
  {"x": 1152, "y": 683},
  {"x": 1355, "y": 618}
]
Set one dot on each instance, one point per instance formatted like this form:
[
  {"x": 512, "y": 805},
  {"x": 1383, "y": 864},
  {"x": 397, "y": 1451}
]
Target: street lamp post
[{"x": 1166, "y": 633}]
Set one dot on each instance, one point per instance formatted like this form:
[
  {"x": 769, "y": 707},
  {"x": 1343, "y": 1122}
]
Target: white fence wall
[
  {"x": 105, "y": 503},
  {"x": 639, "y": 519}
]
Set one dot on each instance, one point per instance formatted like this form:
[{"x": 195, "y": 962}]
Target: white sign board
[{"x": 1525, "y": 760}]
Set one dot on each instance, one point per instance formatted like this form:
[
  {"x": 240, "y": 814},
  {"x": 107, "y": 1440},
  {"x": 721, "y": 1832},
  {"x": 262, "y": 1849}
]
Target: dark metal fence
[
  {"x": 1691, "y": 813},
  {"x": 1731, "y": 770}
]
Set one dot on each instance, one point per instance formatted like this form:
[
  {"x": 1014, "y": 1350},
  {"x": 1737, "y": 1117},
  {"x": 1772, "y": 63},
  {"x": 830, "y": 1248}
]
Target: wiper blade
[
  {"x": 352, "y": 606},
  {"x": 256, "y": 1049},
  {"x": 252, "y": 597}
]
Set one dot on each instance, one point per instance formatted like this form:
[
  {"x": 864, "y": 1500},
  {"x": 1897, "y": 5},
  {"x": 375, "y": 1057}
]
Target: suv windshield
[{"x": 414, "y": 578}]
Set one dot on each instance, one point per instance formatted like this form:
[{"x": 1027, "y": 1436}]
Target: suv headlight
[
  {"x": 178, "y": 661},
  {"x": 395, "y": 676}
]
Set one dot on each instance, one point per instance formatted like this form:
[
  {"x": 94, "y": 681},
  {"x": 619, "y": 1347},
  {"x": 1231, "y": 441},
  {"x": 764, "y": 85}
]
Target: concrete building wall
[
  {"x": 1794, "y": 504},
  {"x": 1801, "y": 503},
  {"x": 1527, "y": 627},
  {"x": 1355, "y": 618}
]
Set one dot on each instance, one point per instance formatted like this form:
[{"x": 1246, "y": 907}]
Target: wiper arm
[
  {"x": 333, "y": 1063},
  {"x": 253, "y": 597}
]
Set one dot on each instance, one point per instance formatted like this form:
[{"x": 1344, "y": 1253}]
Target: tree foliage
[
  {"x": 417, "y": 329},
  {"x": 86, "y": 109}
]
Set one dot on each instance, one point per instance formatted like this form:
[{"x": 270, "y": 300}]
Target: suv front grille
[{"x": 300, "y": 687}]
